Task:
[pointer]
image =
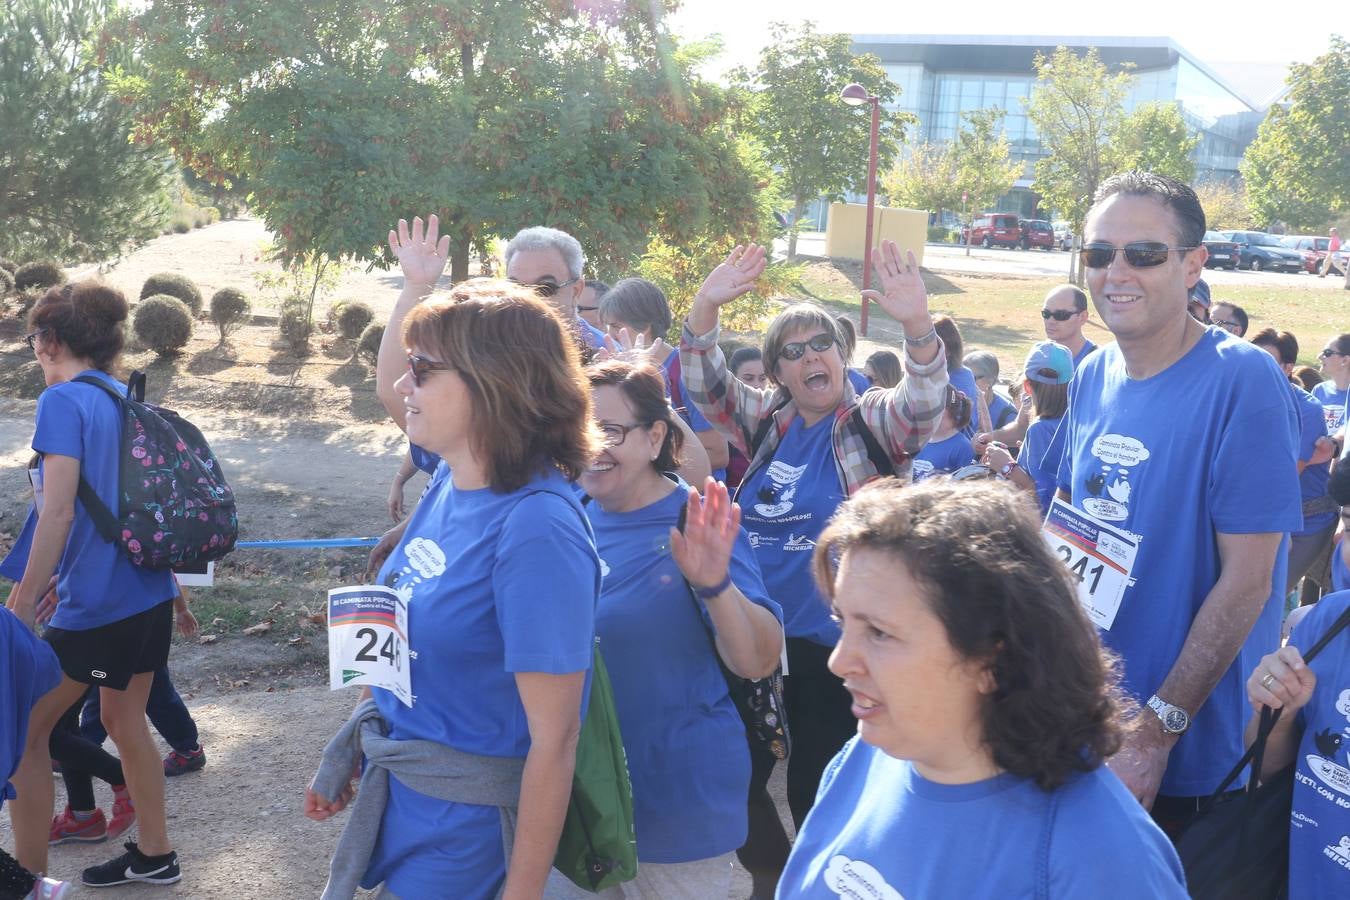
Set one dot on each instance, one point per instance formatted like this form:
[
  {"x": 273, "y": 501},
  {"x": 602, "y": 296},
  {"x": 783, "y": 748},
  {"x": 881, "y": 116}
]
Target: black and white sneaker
[{"x": 134, "y": 867}]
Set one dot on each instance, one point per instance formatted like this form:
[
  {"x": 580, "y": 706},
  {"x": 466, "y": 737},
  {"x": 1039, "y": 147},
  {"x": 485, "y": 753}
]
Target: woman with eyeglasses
[
  {"x": 985, "y": 707},
  {"x": 811, "y": 441},
  {"x": 1334, "y": 361},
  {"x": 671, "y": 604},
  {"x": 500, "y": 578}
]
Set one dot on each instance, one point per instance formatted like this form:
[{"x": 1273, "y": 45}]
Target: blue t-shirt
[
  {"x": 880, "y": 829},
  {"x": 423, "y": 459},
  {"x": 1081, "y": 355},
  {"x": 785, "y": 505},
  {"x": 685, "y": 742},
  {"x": 1340, "y": 573},
  {"x": 858, "y": 380},
  {"x": 1319, "y": 823},
  {"x": 1001, "y": 412},
  {"x": 1333, "y": 404},
  {"x": 1313, "y": 480},
  {"x": 28, "y": 669},
  {"x": 590, "y": 335},
  {"x": 964, "y": 381},
  {"x": 1038, "y": 462},
  {"x": 496, "y": 583},
  {"x": 942, "y": 457},
  {"x": 96, "y": 582},
  {"x": 1171, "y": 459}
]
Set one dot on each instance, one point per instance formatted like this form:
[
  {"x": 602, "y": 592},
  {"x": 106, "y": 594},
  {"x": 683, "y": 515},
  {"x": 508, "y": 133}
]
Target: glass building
[{"x": 942, "y": 76}]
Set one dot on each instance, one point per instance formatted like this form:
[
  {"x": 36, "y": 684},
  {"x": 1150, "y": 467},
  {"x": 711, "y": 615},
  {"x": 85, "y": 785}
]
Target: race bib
[
  {"x": 1098, "y": 555},
  {"x": 368, "y": 640}
]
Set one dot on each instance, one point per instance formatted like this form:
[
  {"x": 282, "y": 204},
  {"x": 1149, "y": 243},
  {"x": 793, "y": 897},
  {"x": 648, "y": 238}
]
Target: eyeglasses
[
  {"x": 1226, "y": 325},
  {"x": 587, "y": 308},
  {"x": 615, "y": 434},
  {"x": 795, "y": 350},
  {"x": 1139, "y": 254},
  {"x": 1325, "y": 354},
  {"x": 31, "y": 339},
  {"x": 1060, "y": 315},
  {"x": 547, "y": 288},
  {"x": 419, "y": 367}
]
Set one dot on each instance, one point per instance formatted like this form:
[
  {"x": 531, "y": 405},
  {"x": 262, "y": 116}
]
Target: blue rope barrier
[{"x": 320, "y": 542}]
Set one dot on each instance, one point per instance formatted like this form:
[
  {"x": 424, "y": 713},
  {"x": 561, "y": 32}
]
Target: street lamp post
[{"x": 856, "y": 95}]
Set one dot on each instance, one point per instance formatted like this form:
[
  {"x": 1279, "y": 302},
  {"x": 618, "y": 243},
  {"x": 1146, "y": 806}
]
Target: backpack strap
[
  {"x": 136, "y": 387},
  {"x": 762, "y": 431},
  {"x": 880, "y": 459},
  {"x": 105, "y": 522}
]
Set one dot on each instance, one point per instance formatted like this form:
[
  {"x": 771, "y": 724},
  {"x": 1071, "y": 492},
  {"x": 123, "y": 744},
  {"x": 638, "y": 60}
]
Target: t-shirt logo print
[
  {"x": 855, "y": 878},
  {"x": 776, "y": 495},
  {"x": 1110, "y": 488}
]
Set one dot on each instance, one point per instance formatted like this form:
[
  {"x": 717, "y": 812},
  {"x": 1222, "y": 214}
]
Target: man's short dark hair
[
  {"x": 1285, "y": 344},
  {"x": 1079, "y": 298},
  {"x": 1239, "y": 315},
  {"x": 598, "y": 286},
  {"x": 1171, "y": 193}
]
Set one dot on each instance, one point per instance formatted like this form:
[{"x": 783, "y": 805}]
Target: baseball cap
[
  {"x": 1200, "y": 293},
  {"x": 1050, "y": 363}
]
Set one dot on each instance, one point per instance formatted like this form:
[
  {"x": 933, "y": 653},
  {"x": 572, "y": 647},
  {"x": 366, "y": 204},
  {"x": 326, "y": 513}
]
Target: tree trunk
[
  {"x": 792, "y": 228},
  {"x": 459, "y": 258}
]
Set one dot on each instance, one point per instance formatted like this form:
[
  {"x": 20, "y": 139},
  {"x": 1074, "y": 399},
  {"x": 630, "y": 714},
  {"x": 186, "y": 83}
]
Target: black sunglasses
[
  {"x": 31, "y": 339},
  {"x": 546, "y": 288},
  {"x": 1226, "y": 325},
  {"x": 820, "y": 343},
  {"x": 419, "y": 367},
  {"x": 1060, "y": 315},
  {"x": 1325, "y": 354},
  {"x": 1139, "y": 254}
]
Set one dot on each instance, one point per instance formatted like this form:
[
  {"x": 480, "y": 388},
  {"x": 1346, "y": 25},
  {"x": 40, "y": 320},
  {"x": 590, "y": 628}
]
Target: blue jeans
[{"x": 165, "y": 708}]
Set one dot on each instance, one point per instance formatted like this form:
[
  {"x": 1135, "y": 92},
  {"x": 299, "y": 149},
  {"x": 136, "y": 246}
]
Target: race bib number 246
[{"x": 368, "y": 640}]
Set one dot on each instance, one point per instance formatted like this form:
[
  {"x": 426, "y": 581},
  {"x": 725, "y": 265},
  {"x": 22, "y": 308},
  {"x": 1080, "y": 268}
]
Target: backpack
[{"x": 175, "y": 505}]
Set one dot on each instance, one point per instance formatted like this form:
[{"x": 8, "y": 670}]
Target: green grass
[{"x": 1002, "y": 313}]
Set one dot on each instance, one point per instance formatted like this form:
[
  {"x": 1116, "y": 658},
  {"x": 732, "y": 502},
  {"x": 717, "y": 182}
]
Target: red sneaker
[
  {"x": 67, "y": 828},
  {"x": 123, "y": 813},
  {"x": 181, "y": 763}
]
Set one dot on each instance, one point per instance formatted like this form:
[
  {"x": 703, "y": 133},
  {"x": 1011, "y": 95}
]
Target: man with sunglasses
[
  {"x": 1179, "y": 470},
  {"x": 1065, "y": 312},
  {"x": 1230, "y": 317},
  {"x": 551, "y": 261}
]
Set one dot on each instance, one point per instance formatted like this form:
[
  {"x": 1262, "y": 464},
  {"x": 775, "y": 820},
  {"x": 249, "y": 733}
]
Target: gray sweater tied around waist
[{"x": 425, "y": 766}]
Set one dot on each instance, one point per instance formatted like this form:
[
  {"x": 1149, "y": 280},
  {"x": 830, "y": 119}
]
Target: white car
[{"x": 1063, "y": 235}]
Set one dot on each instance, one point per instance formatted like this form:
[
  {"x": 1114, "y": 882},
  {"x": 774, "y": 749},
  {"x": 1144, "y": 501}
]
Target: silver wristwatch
[{"x": 1175, "y": 720}]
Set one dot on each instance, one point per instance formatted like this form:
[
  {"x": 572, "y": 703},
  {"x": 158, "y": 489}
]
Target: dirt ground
[{"x": 310, "y": 454}]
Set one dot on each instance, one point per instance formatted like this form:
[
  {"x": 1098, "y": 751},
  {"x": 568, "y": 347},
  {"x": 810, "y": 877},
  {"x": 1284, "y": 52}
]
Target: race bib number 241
[
  {"x": 1098, "y": 556},
  {"x": 368, "y": 640}
]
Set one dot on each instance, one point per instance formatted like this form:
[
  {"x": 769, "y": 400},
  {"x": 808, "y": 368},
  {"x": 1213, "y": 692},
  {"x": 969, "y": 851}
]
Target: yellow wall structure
[{"x": 846, "y": 229}]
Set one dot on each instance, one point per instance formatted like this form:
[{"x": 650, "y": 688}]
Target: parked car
[
  {"x": 1037, "y": 233},
  {"x": 1063, "y": 235},
  {"x": 1223, "y": 253},
  {"x": 1259, "y": 251},
  {"x": 994, "y": 229},
  {"x": 1313, "y": 248}
]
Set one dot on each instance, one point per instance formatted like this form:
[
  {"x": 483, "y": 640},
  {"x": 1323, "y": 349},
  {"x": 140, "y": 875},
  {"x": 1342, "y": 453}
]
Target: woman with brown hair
[
  {"x": 500, "y": 578},
  {"x": 986, "y": 708}
]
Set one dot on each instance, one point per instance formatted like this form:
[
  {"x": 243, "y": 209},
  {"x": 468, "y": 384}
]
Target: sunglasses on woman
[
  {"x": 1328, "y": 353},
  {"x": 796, "y": 349},
  {"x": 546, "y": 288},
  {"x": 419, "y": 367},
  {"x": 1059, "y": 315},
  {"x": 1139, "y": 254}
]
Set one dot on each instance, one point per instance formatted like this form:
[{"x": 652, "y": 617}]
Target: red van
[{"x": 996, "y": 229}]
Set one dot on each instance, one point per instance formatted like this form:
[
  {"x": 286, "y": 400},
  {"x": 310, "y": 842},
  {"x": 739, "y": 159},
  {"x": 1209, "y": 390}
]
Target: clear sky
[{"x": 1218, "y": 33}]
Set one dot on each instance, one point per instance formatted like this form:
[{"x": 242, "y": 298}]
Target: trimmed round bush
[
  {"x": 353, "y": 318},
  {"x": 174, "y": 285},
  {"x": 368, "y": 345},
  {"x": 40, "y": 273},
  {"x": 294, "y": 323},
  {"x": 9, "y": 265},
  {"x": 6, "y": 283},
  {"x": 230, "y": 310},
  {"x": 162, "y": 323}
]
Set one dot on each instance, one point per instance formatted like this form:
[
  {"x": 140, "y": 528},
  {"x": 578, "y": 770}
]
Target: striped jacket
[{"x": 901, "y": 418}]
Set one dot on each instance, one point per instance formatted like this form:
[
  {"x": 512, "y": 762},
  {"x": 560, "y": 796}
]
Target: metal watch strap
[{"x": 926, "y": 339}]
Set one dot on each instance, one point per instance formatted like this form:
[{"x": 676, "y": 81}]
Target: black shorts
[{"x": 107, "y": 656}]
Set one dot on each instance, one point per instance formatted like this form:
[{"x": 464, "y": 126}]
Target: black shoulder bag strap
[
  {"x": 105, "y": 521},
  {"x": 762, "y": 430},
  {"x": 881, "y": 460}
]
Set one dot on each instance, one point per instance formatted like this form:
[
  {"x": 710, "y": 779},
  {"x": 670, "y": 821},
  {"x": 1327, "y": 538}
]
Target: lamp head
[{"x": 855, "y": 95}]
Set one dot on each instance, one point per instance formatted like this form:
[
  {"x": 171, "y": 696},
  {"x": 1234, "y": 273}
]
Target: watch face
[{"x": 1175, "y": 720}]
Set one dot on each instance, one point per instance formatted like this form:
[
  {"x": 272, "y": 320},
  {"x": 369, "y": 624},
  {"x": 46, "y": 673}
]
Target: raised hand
[
  {"x": 420, "y": 252},
  {"x": 634, "y": 348},
  {"x": 902, "y": 292},
  {"x": 735, "y": 276},
  {"x": 712, "y": 522}
]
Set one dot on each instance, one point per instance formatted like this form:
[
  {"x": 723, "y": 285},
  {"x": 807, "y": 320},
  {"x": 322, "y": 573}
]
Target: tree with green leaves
[
  {"x": 1298, "y": 168},
  {"x": 1225, "y": 204},
  {"x": 924, "y": 177},
  {"x": 818, "y": 145},
  {"x": 69, "y": 173},
  {"x": 1155, "y": 138},
  {"x": 984, "y": 164},
  {"x": 343, "y": 115}
]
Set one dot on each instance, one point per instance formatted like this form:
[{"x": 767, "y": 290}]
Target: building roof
[{"x": 1016, "y": 53}]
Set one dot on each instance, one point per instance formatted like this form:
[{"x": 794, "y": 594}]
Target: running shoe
[
  {"x": 181, "y": 763},
  {"x": 134, "y": 867},
  {"x": 123, "y": 813},
  {"x": 49, "y": 889},
  {"x": 66, "y": 828}
]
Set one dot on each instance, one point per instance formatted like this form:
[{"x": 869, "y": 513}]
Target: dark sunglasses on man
[
  {"x": 1139, "y": 254},
  {"x": 1060, "y": 315},
  {"x": 796, "y": 349},
  {"x": 548, "y": 287}
]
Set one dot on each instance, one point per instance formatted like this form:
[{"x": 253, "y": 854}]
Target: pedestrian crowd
[{"x": 1002, "y": 640}]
